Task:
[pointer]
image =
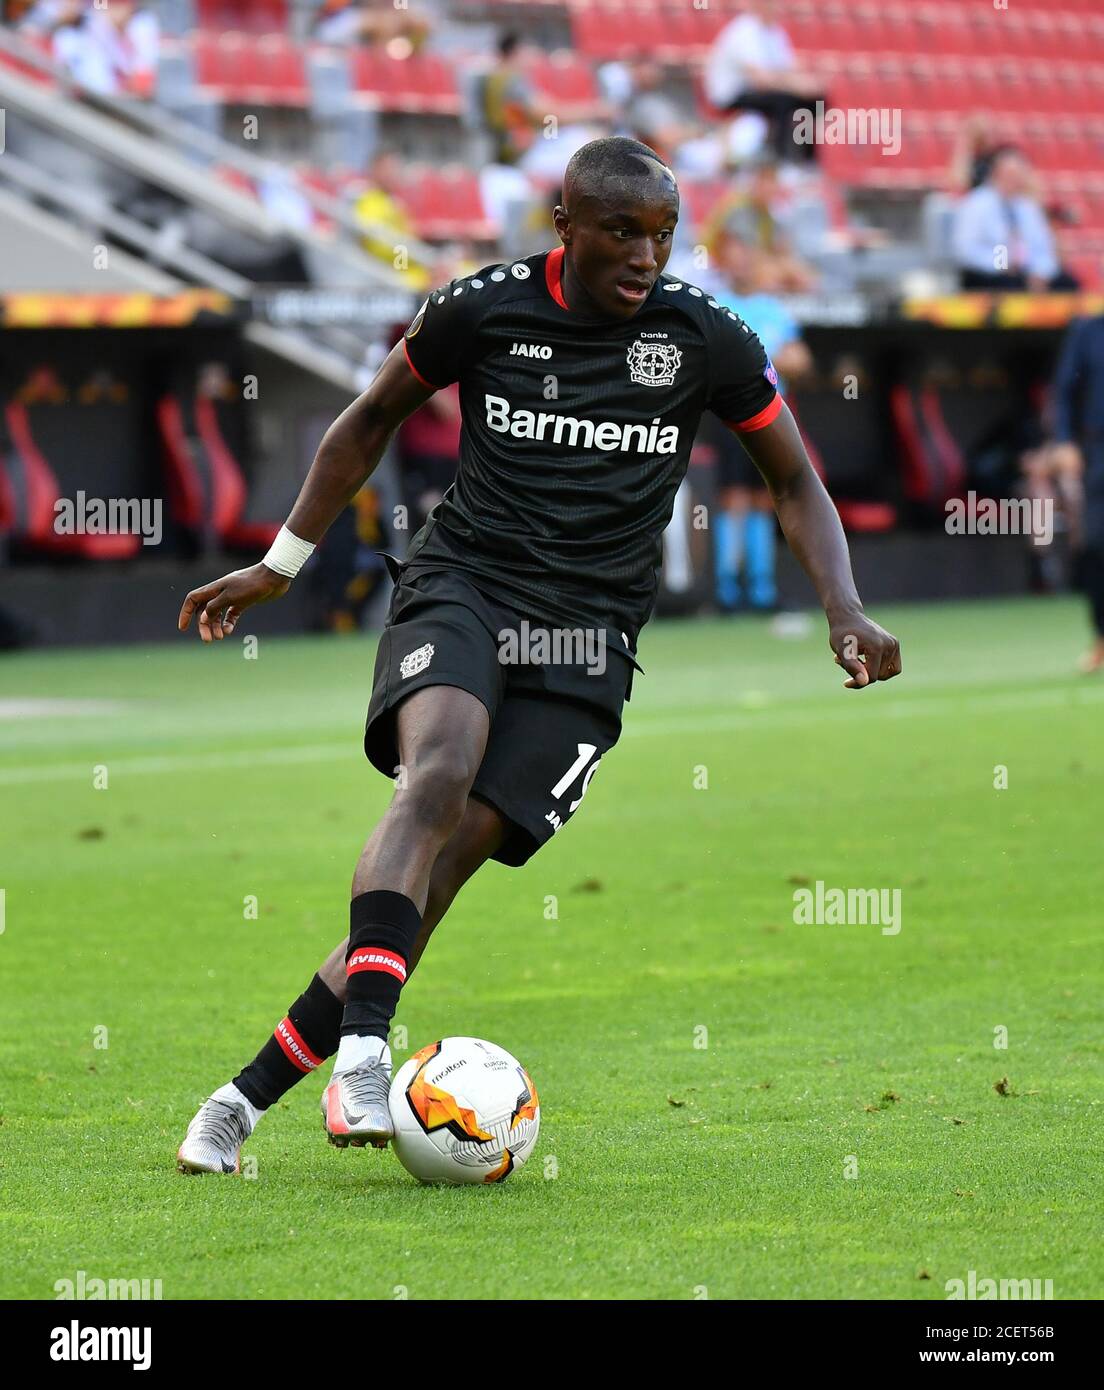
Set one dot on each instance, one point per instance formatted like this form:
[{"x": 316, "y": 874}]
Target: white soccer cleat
[
  {"x": 354, "y": 1106},
  {"x": 214, "y": 1139}
]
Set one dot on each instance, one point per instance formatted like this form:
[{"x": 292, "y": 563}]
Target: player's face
[{"x": 619, "y": 247}]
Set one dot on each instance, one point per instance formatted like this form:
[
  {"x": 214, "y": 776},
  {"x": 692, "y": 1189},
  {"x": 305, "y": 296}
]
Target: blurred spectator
[
  {"x": 111, "y": 50},
  {"x": 752, "y": 67},
  {"x": 40, "y": 18},
  {"x": 349, "y": 569},
  {"x": 380, "y": 209},
  {"x": 1076, "y": 461},
  {"x": 756, "y": 216},
  {"x": 1001, "y": 220},
  {"x": 429, "y": 446},
  {"x": 508, "y": 105},
  {"x": 744, "y": 534},
  {"x": 367, "y": 21},
  {"x": 509, "y": 115},
  {"x": 972, "y": 153},
  {"x": 648, "y": 114}
]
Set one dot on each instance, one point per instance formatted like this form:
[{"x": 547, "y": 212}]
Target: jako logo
[
  {"x": 606, "y": 435},
  {"x": 529, "y": 350},
  {"x": 76, "y": 1343}
]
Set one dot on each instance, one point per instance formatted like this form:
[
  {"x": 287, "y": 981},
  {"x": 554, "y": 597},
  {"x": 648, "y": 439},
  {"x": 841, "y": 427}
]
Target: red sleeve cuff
[
  {"x": 427, "y": 384},
  {"x": 760, "y": 421}
]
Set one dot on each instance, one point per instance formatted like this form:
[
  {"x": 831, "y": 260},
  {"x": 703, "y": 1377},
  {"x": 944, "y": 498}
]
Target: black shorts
[{"x": 551, "y": 719}]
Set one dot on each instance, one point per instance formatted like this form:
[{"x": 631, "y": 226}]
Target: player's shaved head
[
  {"x": 616, "y": 221},
  {"x": 616, "y": 168}
]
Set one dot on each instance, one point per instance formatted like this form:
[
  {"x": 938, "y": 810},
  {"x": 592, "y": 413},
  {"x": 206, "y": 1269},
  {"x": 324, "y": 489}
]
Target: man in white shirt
[
  {"x": 112, "y": 49},
  {"x": 1001, "y": 239},
  {"x": 752, "y": 67}
]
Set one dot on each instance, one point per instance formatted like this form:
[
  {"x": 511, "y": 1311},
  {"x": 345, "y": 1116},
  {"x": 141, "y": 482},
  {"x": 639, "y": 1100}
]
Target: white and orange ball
[{"x": 464, "y": 1111}]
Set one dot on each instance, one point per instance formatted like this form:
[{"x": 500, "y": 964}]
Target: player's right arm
[{"x": 348, "y": 454}]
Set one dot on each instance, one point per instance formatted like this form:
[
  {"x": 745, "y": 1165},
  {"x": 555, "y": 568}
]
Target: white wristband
[{"x": 288, "y": 554}]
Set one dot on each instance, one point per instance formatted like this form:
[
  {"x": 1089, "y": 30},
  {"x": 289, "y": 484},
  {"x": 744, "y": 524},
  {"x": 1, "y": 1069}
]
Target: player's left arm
[{"x": 815, "y": 535}]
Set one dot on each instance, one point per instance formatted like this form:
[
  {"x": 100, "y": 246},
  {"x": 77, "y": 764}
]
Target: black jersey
[{"x": 575, "y": 435}]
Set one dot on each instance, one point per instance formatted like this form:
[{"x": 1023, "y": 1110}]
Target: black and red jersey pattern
[{"x": 576, "y": 433}]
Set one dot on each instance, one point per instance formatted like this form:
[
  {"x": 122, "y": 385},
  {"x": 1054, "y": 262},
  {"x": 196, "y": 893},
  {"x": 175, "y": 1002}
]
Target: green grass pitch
[{"x": 709, "y": 1071}]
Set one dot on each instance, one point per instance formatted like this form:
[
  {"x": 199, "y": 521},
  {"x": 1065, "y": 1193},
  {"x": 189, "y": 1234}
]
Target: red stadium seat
[
  {"x": 446, "y": 203},
  {"x": 256, "y": 16},
  {"x": 268, "y": 70},
  {"x": 567, "y": 82},
  {"x": 207, "y": 490},
  {"x": 421, "y": 83},
  {"x": 32, "y": 524}
]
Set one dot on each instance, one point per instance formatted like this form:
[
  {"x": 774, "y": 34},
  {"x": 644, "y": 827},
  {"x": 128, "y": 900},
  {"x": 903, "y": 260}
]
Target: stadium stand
[{"x": 858, "y": 221}]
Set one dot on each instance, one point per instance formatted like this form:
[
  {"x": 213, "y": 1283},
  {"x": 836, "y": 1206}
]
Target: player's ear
[{"x": 562, "y": 223}]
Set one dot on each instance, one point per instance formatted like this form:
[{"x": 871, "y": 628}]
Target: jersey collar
[{"x": 553, "y": 269}]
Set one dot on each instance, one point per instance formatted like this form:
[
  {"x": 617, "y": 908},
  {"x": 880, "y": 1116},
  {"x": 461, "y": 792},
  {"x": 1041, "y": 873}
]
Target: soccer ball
[{"x": 464, "y": 1111}]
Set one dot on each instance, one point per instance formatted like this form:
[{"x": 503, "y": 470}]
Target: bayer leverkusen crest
[{"x": 653, "y": 364}]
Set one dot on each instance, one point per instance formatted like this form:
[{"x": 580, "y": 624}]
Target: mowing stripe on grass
[{"x": 767, "y": 717}]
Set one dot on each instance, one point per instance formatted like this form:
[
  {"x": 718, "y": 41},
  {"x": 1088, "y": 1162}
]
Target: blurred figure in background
[
  {"x": 348, "y": 569},
  {"x": 368, "y": 21},
  {"x": 109, "y": 49},
  {"x": 755, "y": 215},
  {"x": 744, "y": 532},
  {"x": 429, "y": 449},
  {"x": 41, "y": 17},
  {"x": 509, "y": 116},
  {"x": 387, "y": 223},
  {"x": 752, "y": 67},
  {"x": 1076, "y": 462},
  {"x": 647, "y": 113},
  {"x": 508, "y": 104},
  {"x": 972, "y": 154},
  {"x": 1001, "y": 237}
]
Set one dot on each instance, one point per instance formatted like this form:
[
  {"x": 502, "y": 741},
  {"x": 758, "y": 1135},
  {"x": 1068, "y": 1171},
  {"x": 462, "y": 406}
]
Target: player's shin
[{"x": 300, "y": 1043}]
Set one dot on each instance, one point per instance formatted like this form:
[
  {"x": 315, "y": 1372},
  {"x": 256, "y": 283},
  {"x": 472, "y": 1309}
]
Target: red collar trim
[{"x": 552, "y": 270}]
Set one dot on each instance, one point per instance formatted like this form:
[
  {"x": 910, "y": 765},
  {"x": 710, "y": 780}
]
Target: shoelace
[
  {"x": 367, "y": 1086},
  {"x": 224, "y": 1127}
]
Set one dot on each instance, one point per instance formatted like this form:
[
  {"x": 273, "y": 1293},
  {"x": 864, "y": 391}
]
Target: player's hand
[
  {"x": 222, "y": 603},
  {"x": 865, "y": 651}
]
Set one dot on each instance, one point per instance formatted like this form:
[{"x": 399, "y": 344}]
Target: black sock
[
  {"x": 301, "y": 1042},
  {"x": 382, "y": 930}
]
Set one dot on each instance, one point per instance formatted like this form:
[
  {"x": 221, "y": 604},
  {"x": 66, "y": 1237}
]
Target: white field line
[{"x": 876, "y": 707}]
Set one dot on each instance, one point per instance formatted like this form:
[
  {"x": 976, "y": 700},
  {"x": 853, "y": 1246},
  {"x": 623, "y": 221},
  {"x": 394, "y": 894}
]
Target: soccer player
[{"x": 583, "y": 374}]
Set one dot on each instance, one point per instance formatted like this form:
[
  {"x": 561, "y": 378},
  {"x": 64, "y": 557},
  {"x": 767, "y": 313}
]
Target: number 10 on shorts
[{"x": 586, "y": 752}]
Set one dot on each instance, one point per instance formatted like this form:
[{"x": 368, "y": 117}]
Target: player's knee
[{"x": 436, "y": 791}]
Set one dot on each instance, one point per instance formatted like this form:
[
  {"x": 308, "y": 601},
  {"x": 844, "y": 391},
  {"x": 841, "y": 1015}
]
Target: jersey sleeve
[
  {"x": 441, "y": 338},
  {"x": 743, "y": 389}
]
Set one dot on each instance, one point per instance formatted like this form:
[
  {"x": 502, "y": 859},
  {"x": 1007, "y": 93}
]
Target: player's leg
[
  {"x": 480, "y": 836},
  {"x": 441, "y": 734},
  {"x": 759, "y": 534},
  {"x": 728, "y": 555},
  {"x": 309, "y": 1032}
]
